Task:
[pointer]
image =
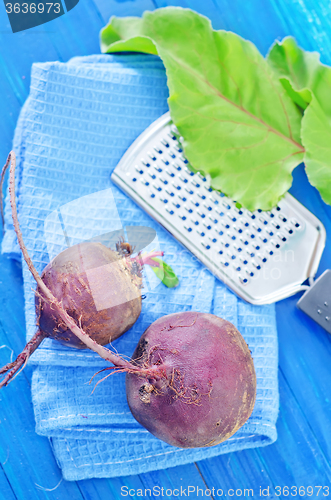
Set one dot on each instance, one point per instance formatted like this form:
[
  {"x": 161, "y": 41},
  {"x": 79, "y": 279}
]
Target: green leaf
[
  {"x": 309, "y": 80},
  {"x": 316, "y": 136},
  {"x": 116, "y": 31},
  {"x": 296, "y": 69},
  {"x": 165, "y": 273},
  {"x": 239, "y": 125}
]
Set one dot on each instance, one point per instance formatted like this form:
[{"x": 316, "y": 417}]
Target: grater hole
[
  {"x": 295, "y": 223},
  {"x": 189, "y": 172},
  {"x": 172, "y": 136}
]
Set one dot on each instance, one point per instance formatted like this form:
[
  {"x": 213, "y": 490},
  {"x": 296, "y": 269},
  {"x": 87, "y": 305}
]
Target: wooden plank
[
  {"x": 114, "y": 488},
  {"x": 6, "y": 492},
  {"x": 108, "y": 8},
  {"x": 174, "y": 478},
  {"x": 303, "y": 448}
]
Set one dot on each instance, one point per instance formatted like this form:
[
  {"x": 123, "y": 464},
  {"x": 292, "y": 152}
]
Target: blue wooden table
[{"x": 302, "y": 454}]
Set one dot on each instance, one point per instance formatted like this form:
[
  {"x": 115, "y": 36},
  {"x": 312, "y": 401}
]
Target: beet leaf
[{"x": 239, "y": 125}]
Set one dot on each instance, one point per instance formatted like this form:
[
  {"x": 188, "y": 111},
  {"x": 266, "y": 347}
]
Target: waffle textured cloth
[{"x": 77, "y": 122}]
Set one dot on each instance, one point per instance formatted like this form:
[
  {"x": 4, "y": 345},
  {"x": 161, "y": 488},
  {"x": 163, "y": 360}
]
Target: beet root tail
[{"x": 11, "y": 369}]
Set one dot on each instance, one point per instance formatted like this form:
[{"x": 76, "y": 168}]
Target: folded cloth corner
[{"x": 77, "y": 122}]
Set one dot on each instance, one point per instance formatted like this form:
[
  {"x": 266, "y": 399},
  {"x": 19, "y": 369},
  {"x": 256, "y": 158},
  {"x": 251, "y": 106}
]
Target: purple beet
[
  {"x": 87, "y": 288},
  {"x": 207, "y": 384},
  {"x": 84, "y": 278}
]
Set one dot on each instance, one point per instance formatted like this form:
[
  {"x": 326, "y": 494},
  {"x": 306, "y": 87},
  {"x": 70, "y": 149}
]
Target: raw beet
[
  {"x": 87, "y": 277},
  {"x": 88, "y": 289},
  {"x": 86, "y": 297},
  {"x": 208, "y": 387}
]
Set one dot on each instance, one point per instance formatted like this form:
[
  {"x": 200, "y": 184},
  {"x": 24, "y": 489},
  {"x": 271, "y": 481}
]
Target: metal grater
[{"x": 262, "y": 256}]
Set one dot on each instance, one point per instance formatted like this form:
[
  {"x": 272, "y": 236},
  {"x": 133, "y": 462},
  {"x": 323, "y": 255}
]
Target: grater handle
[{"x": 316, "y": 301}]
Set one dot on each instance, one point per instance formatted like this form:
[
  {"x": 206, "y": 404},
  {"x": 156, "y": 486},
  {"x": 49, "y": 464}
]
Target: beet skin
[
  {"x": 206, "y": 384},
  {"x": 98, "y": 289}
]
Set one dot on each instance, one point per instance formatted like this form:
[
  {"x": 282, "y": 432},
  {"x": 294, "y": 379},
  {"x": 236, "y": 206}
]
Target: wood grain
[{"x": 302, "y": 453}]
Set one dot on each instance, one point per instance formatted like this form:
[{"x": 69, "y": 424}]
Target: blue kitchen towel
[{"x": 77, "y": 122}]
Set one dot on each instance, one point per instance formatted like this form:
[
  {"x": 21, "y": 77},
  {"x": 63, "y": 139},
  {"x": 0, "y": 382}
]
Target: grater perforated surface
[{"x": 262, "y": 256}]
